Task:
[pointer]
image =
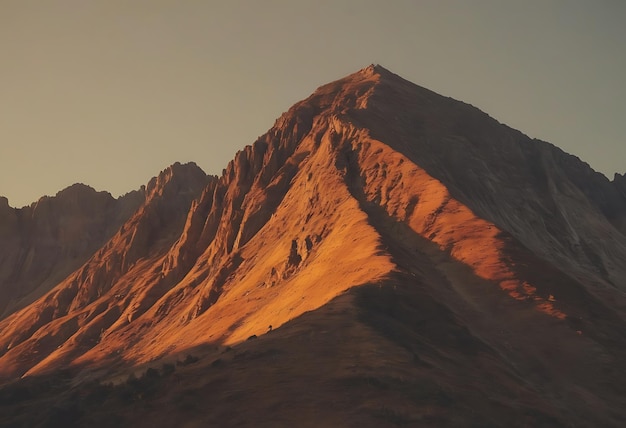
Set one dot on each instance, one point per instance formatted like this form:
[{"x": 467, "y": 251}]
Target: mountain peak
[
  {"x": 177, "y": 177},
  {"x": 377, "y": 69},
  {"x": 406, "y": 240},
  {"x": 76, "y": 188},
  {"x": 373, "y": 69}
]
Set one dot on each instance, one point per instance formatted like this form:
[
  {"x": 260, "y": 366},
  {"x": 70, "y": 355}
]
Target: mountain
[
  {"x": 382, "y": 256},
  {"x": 43, "y": 243}
]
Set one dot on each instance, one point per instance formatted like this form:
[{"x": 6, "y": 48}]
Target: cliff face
[
  {"x": 75, "y": 312},
  {"x": 550, "y": 201},
  {"x": 466, "y": 251},
  {"x": 619, "y": 182},
  {"x": 43, "y": 243}
]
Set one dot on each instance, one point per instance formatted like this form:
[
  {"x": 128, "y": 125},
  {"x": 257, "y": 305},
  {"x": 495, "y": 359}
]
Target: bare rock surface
[{"x": 42, "y": 243}]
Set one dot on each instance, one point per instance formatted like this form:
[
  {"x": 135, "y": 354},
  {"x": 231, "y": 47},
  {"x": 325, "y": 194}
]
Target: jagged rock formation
[
  {"x": 43, "y": 243},
  {"x": 619, "y": 181},
  {"x": 446, "y": 253}
]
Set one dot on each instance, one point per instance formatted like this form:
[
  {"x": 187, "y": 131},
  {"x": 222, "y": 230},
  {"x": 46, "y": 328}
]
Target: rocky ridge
[{"x": 42, "y": 243}]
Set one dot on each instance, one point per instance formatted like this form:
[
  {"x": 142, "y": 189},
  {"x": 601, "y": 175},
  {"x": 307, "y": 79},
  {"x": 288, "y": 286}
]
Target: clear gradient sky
[{"x": 110, "y": 92}]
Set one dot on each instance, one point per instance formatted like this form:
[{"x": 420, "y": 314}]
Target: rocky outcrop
[{"x": 619, "y": 182}]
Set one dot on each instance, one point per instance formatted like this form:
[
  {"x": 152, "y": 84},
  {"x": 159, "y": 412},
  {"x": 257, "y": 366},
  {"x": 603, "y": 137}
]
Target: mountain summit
[{"x": 382, "y": 256}]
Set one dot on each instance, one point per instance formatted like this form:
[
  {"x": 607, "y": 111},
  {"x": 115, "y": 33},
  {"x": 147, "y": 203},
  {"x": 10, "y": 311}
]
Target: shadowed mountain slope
[
  {"x": 417, "y": 261},
  {"x": 43, "y": 243}
]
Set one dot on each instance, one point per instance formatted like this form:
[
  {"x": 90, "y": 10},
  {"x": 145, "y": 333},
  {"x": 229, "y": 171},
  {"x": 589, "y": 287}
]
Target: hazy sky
[{"x": 109, "y": 92}]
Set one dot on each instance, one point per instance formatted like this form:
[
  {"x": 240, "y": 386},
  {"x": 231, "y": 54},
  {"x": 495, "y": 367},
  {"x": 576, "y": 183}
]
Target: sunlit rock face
[{"x": 443, "y": 237}]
